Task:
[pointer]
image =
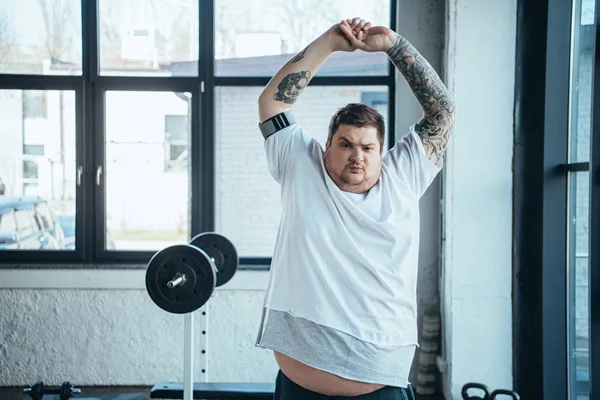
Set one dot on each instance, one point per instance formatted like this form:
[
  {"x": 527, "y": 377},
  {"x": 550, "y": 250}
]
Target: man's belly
[{"x": 320, "y": 381}]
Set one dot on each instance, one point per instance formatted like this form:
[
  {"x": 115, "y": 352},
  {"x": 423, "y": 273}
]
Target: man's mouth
[{"x": 355, "y": 168}]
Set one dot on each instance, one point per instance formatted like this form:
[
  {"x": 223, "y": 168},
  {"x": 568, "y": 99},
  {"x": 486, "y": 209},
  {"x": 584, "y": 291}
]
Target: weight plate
[
  {"x": 219, "y": 248},
  {"x": 66, "y": 391},
  {"x": 196, "y": 273}
]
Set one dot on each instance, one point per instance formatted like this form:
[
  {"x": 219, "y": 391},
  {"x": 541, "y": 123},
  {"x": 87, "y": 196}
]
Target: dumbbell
[
  {"x": 475, "y": 386},
  {"x": 504, "y": 392},
  {"x": 182, "y": 278},
  {"x": 65, "y": 392}
]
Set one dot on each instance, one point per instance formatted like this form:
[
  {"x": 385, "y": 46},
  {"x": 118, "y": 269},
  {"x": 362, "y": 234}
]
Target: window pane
[
  {"x": 579, "y": 286},
  {"x": 48, "y": 175},
  {"x": 41, "y": 37},
  {"x": 247, "y": 46},
  {"x": 147, "y": 177},
  {"x": 582, "y": 59},
  {"x": 33, "y": 149},
  {"x": 149, "y": 38},
  {"x": 247, "y": 198}
]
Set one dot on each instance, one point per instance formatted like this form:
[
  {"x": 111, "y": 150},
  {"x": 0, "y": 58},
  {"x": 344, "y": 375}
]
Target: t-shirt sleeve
[
  {"x": 407, "y": 160},
  {"x": 283, "y": 147}
]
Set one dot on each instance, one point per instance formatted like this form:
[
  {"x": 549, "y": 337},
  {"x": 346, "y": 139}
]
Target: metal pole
[{"x": 188, "y": 357}]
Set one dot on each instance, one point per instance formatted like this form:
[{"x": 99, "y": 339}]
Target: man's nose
[{"x": 356, "y": 155}]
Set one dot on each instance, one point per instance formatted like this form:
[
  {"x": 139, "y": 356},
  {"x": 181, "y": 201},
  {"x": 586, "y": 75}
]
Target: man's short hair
[{"x": 360, "y": 116}]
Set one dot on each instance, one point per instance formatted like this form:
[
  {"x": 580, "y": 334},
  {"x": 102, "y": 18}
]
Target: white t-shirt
[{"x": 346, "y": 261}]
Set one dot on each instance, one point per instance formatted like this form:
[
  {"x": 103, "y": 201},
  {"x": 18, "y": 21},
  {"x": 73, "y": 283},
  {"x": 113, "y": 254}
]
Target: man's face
[{"x": 353, "y": 158}]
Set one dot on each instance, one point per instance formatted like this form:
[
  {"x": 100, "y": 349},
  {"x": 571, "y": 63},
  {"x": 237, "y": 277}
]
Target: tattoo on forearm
[
  {"x": 435, "y": 99},
  {"x": 299, "y": 56},
  {"x": 291, "y": 86}
]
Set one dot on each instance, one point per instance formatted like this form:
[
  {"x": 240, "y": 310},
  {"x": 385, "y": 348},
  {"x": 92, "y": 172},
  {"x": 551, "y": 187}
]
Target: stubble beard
[{"x": 345, "y": 184}]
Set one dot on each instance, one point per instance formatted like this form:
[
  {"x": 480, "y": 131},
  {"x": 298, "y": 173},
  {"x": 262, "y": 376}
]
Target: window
[
  {"x": 582, "y": 56},
  {"x": 40, "y": 38},
  {"x": 143, "y": 127},
  {"x": 557, "y": 202},
  {"x": 156, "y": 40},
  {"x": 246, "y": 46},
  {"x": 146, "y": 206},
  {"x": 38, "y": 155},
  {"x": 30, "y": 170},
  {"x": 33, "y": 149}
]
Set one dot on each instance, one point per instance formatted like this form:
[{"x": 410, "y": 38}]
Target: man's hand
[
  {"x": 338, "y": 40},
  {"x": 361, "y": 35}
]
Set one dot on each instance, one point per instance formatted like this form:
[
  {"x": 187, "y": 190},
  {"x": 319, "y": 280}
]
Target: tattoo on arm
[
  {"x": 299, "y": 56},
  {"x": 435, "y": 99},
  {"x": 291, "y": 86}
]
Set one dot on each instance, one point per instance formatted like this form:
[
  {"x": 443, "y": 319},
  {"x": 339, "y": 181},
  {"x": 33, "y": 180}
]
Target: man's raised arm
[
  {"x": 283, "y": 89},
  {"x": 438, "y": 106}
]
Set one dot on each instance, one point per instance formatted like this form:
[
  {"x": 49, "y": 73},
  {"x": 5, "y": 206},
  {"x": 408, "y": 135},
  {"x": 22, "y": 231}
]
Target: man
[{"x": 340, "y": 307}]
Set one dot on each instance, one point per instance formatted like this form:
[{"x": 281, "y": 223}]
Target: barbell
[{"x": 182, "y": 278}]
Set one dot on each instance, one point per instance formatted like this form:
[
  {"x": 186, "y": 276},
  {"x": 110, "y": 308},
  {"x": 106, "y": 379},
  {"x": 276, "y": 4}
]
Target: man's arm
[
  {"x": 436, "y": 101},
  {"x": 283, "y": 89}
]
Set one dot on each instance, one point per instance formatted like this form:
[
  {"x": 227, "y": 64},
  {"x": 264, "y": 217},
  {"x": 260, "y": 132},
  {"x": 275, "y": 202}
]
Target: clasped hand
[{"x": 356, "y": 33}]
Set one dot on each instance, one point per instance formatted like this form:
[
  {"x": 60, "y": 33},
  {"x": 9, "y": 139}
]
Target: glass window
[
  {"x": 41, "y": 37},
  {"x": 146, "y": 207},
  {"x": 246, "y": 197},
  {"x": 141, "y": 194},
  {"x": 582, "y": 61},
  {"x": 579, "y": 286},
  {"x": 149, "y": 38},
  {"x": 33, "y": 149},
  {"x": 246, "y": 46},
  {"x": 30, "y": 170},
  {"x": 49, "y": 170}
]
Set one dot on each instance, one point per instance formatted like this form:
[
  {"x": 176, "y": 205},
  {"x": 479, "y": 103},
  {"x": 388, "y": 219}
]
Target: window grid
[{"x": 90, "y": 88}]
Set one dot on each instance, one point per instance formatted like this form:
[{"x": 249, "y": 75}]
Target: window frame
[
  {"x": 90, "y": 88},
  {"x": 542, "y": 192}
]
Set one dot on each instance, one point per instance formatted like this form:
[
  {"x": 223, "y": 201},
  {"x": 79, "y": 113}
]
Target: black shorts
[{"x": 286, "y": 389}]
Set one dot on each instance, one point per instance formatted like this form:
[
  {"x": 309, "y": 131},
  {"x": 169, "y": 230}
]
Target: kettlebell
[
  {"x": 476, "y": 386},
  {"x": 513, "y": 395}
]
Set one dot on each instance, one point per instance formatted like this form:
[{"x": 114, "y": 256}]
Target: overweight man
[{"x": 340, "y": 309}]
